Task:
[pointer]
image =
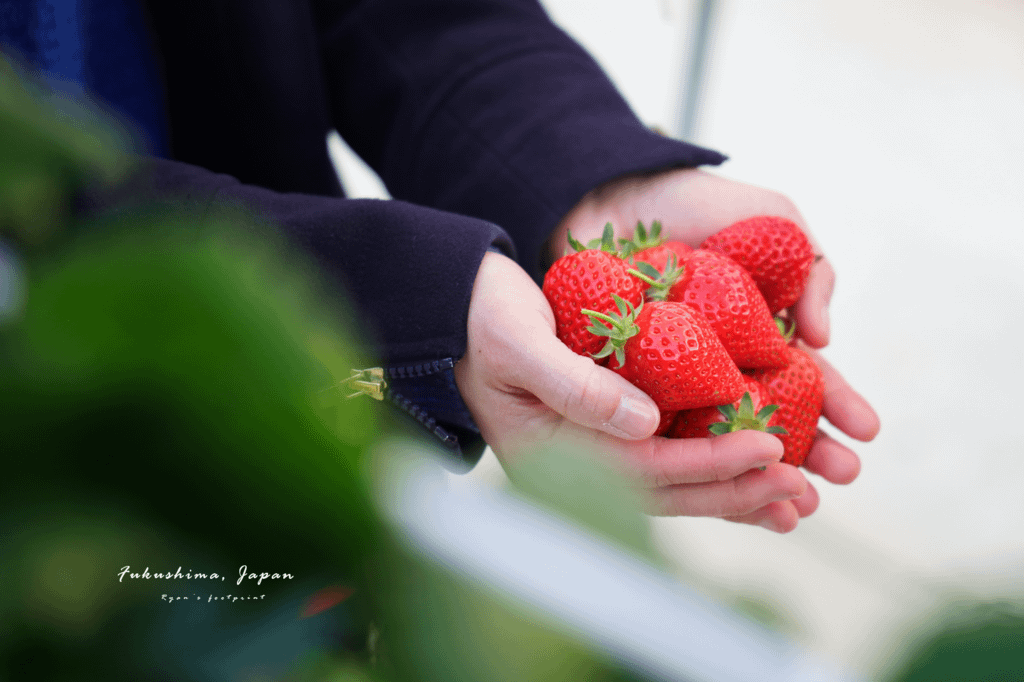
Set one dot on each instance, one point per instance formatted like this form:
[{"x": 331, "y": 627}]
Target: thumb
[{"x": 588, "y": 394}]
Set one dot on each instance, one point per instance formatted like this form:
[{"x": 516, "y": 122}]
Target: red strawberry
[
  {"x": 587, "y": 279},
  {"x": 668, "y": 417},
  {"x": 752, "y": 411},
  {"x": 799, "y": 391},
  {"x": 727, "y": 297},
  {"x": 668, "y": 351},
  {"x": 775, "y": 252}
]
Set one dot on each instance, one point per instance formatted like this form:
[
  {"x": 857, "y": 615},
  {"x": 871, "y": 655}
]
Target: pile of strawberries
[{"x": 695, "y": 329}]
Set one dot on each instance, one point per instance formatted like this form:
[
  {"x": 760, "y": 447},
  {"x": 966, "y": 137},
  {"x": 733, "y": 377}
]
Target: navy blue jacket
[{"x": 486, "y": 122}]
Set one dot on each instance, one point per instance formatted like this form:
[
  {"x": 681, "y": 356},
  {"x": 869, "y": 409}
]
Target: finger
[
  {"x": 737, "y": 496},
  {"x": 782, "y": 517},
  {"x": 778, "y": 517},
  {"x": 832, "y": 460},
  {"x": 807, "y": 503},
  {"x": 662, "y": 462},
  {"x": 812, "y": 319},
  {"x": 846, "y": 409},
  {"x": 586, "y": 393}
]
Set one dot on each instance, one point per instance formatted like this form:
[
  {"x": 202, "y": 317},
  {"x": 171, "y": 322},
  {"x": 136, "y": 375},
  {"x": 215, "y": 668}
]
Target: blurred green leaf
[
  {"x": 162, "y": 382},
  {"x": 587, "y": 491},
  {"x": 977, "y": 641},
  {"x": 436, "y": 626},
  {"x": 171, "y": 361}
]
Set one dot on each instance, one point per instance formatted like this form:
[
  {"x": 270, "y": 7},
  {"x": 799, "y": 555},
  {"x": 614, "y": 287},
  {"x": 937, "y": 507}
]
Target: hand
[
  {"x": 692, "y": 205},
  {"x": 524, "y": 387}
]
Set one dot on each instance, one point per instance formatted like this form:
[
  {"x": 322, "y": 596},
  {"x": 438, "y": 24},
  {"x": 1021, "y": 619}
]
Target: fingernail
[
  {"x": 768, "y": 524},
  {"x": 634, "y": 418}
]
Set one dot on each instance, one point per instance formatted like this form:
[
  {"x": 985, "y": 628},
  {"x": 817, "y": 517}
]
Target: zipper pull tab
[{"x": 367, "y": 382}]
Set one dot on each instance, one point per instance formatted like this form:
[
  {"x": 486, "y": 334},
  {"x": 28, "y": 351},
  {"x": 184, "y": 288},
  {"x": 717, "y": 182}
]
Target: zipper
[
  {"x": 373, "y": 382},
  {"x": 450, "y": 440}
]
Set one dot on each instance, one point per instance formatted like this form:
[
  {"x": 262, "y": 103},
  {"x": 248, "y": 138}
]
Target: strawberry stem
[
  {"x": 658, "y": 283},
  {"x": 618, "y": 328}
]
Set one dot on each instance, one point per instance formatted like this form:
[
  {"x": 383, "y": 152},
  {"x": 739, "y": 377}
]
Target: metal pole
[{"x": 696, "y": 66}]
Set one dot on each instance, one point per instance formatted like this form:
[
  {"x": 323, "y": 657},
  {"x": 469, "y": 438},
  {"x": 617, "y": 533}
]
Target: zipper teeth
[
  {"x": 420, "y": 370},
  {"x": 449, "y": 439}
]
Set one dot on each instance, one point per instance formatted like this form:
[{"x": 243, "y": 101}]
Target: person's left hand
[
  {"x": 693, "y": 204},
  {"x": 526, "y": 389}
]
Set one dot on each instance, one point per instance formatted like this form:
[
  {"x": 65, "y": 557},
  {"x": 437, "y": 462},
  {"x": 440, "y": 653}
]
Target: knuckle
[
  {"x": 715, "y": 462},
  {"x": 654, "y": 469},
  {"x": 587, "y": 394}
]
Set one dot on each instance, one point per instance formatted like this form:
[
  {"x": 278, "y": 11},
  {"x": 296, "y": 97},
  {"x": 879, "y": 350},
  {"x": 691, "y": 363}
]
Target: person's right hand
[{"x": 524, "y": 388}]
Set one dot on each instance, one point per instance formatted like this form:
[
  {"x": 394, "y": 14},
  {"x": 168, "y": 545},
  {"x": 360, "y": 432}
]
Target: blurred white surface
[
  {"x": 896, "y": 128},
  {"x": 581, "y": 584}
]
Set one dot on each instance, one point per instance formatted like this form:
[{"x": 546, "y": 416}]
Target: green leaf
[
  {"x": 621, "y": 305},
  {"x": 786, "y": 327},
  {"x": 574, "y": 243},
  {"x": 746, "y": 406},
  {"x": 641, "y": 233},
  {"x": 648, "y": 269},
  {"x": 719, "y": 428},
  {"x": 607, "y": 242}
]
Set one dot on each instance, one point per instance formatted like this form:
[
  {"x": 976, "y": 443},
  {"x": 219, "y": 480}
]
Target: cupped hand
[
  {"x": 692, "y": 205},
  {"x": 524, "y": 388}
]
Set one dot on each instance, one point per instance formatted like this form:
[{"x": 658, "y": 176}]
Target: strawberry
[
  {"x": 799, "y": 391},
  {"x": 587, "y": 279},
  {"x": 775, "y": 252},
  {"x": 704, "y": 422},
  {"x": 668, "y": 417},
  {"x": 670, "y": 352},
  {"x": 650, "y": 248},
  {"x": 727, "y": 297},
  {"x": 660, "y": 256}
]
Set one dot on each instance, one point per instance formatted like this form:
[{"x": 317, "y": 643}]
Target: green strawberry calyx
[
  {"x": 641, "y": 239},
  {"x": 618, "y": 328},
  {"x": 786, "y": 327},
  {"x": 658, "y": 283},
  {"x": 606, "y": 243},
  {"x": 745, "y": 419}
]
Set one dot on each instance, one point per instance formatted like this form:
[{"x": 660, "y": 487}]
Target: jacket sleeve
[
  {"x": 408, "y": 270},
  {"x": 483, "y": 108}
]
